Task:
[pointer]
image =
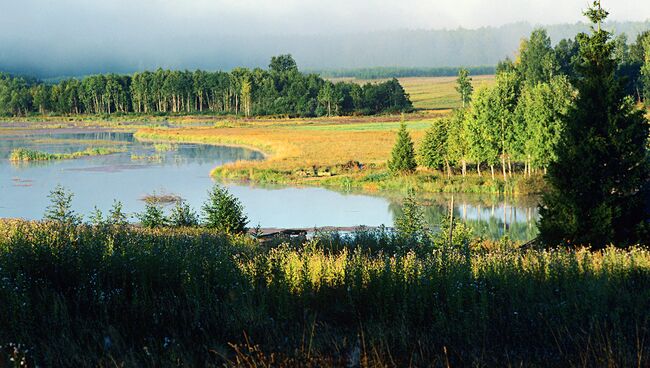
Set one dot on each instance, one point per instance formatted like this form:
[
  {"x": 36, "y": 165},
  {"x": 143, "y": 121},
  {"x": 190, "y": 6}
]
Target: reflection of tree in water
[
  {"x": 203, "y": 154},
  {"x": 488, "y": 217}
]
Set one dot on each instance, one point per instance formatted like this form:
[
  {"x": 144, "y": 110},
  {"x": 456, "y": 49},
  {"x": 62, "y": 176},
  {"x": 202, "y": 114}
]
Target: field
[
  {"x": 123, "y": 296},
  {"x": 439, "y": 93},
  {"x": 343, "y": 153},
  {"x": 431, "y": 93}
]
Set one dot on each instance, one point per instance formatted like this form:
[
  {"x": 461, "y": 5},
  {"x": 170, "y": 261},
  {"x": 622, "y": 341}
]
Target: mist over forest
[{"x": 127, "y": 53}]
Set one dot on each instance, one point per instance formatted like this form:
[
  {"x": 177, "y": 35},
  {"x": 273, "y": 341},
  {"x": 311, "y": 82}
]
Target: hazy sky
[
  {"x": 68, "y": 37},
  {"x": 42, "y": 18}
]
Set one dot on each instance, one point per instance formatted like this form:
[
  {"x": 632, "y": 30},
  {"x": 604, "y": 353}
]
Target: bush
[{"x": 224, "y": 212}]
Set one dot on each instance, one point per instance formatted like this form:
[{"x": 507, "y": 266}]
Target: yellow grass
[
  {"x": 295, "y": 145},
  {"x": 439, "y": 92},
  {"x": 432, "y": 93}
]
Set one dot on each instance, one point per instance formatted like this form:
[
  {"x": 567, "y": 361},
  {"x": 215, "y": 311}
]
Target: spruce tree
[
  {"x": 224, "y": 212},
  {"x": 403, "y": 156},
  {"x": 599, "y": 183}
]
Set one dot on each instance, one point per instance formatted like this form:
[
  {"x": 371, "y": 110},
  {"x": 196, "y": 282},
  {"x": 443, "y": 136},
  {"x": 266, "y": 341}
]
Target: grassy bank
[
  {"x": 334, "y": 154},
  {"x": 127, "y": 296},
  {"x": 23, "y": 154}
]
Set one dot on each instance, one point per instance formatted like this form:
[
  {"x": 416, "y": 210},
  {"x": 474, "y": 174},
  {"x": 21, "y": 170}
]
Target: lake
[{"x": 183, "y": 170}]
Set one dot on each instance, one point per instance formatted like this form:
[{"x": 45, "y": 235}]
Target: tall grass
[{"x": 108, "y": 295}]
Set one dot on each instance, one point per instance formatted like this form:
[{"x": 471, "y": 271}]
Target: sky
[
  {"x": 34, "y": 32},
  {"x": 40, "y": 18}
]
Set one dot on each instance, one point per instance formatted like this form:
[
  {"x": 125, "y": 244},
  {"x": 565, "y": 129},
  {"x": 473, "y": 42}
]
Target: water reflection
[{"x": 184, "y": 171}]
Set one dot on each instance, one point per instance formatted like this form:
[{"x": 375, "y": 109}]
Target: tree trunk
[
  {"x": 509, "y": 166},
  {"x": 492, "y": 168},
  {"x": 503, "y": 167},
  {"x": 464, "y": 168},
  {"x": 448, "y": 169},
  {"x": 478, "y": 169}
]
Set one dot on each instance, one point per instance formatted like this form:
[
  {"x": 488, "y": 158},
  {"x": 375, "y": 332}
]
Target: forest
[
  {"x": 519, "y": 121},
  {"x": 280, "y": 90}
]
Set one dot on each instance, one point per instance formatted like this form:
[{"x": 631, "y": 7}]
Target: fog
[{"x": 50, "y": 38}]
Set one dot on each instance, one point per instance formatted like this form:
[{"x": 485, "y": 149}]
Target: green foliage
[
  {"x": 464, "y": 86},
  {"x": 224, "y": 212},
  {"x": 282, "y": 90},
  {"x": 60, "y": 208},
  {"x": 645, "y": 70},
  {"x": 283, "y": 64},
  {"x": 153, "y": 215},
  {"x": 598, "y": 184},
  {"x": 182, "y": 215},
  {"x": 403, "y": 155},
  {"x": 410, "y": 223},
  {"x": 543, "y": 109},
  {"x": 116, "y": 217},
  {"x": 433, "y": 152},
  {"x": 23, "y": 154},
  {"x": 537, "y": 60}
]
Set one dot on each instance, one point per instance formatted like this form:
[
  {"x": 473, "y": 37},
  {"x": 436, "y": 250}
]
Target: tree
[
  {"x": 458, "y": 150},
  {"x": 60, "y": 208},
  {"x": 410, "y": 223},
  {"x": 537, "y": 61},
  {"x": 599, "y": 183},
  {"x": 182, "y": 215},
  {"x": 283, "y": 64},
  {"x": 464, "y": 86},
  {"x": 542, "y": 109},
  {"x": 116, "y": 216},
  {"x": 482, "y": 129},
  {"x": 645, "y": 72},
  {"x": 433, "y": 149},
  {"x": 403, "y": 155},
  {"x": 153, "y": 215},
  {"x": 224, "y": 212}
]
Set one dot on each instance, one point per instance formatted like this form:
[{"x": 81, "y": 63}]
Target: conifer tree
[
  {"x": 224, "y": 212},
  {"x": 403, "y": 156},
  {"x": 599, "y": 183}
]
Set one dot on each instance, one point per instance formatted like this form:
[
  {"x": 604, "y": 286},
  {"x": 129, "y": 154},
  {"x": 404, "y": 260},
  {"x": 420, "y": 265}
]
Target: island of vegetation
[{"x": 24, "y": 154}]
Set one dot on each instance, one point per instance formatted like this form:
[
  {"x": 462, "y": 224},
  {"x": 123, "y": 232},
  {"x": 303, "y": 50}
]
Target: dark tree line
[
  {"x": 280, "y": 90},
  {"x": 403, "y": 72}
]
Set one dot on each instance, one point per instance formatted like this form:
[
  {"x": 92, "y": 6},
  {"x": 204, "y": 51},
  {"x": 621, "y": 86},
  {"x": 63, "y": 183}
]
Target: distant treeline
[
  {"x": 280, "y": 90},
  {"x": 400, "y": 72}
]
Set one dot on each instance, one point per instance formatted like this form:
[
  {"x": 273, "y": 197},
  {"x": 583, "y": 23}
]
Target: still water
[{"x": 183, "y": 170}]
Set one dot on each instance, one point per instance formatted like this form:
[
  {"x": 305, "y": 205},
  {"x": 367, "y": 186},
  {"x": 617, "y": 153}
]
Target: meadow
[
  {"x": 117, "y": 295},
  {"x": 340, "y": 153}
]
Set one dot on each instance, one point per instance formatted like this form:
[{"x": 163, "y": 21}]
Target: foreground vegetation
[
  {"x": 24, "y": 154},
  {"x": 115, "y": 294}
]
